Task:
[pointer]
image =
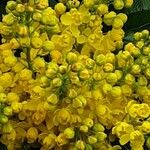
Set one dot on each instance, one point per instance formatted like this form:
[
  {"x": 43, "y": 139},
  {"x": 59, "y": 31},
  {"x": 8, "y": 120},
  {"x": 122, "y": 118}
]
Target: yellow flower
[
  {"x": 32, "y": 134},
  {"x": 61, "y": 139},
  {"x": 62, "y": 116},
  {"x": 137, "y": 140}
]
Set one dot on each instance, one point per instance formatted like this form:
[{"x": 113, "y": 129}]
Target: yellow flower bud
[
  {"x": 71, "y": 57},
  {"x": 61, "y": 139},
  {"x": 101, "y": 136},
  {"x": 126, "y": 90},
  {"x": 14, "y": 43},
  {"x": 49, "y": 141},
  {"x": 116, "y": 92},
  {"x": 62, "y": 117},
  {"x": 84, "y": 128},
  {"x": 16, "y": 107},
  {"x": 137, "y": 36},
  {"x": 56, "y": 82},
  {"x": 102, "y": 9},
  {"x": 88, "y": 121},
  {"x": 84, "y": 74},
  {"x": 10, "y": 61},
  {"x": 60, "y": 8},
  {"x": 25, "y": 74},
  {"x": 69, "y": 133},
  {"x": 12, "y": 97},
  {"x": 92, "y": 140},
  {"x": 32, "y": 134},
  {"x": 3, "y": 97},
  {"x": 109, "y": 17},
  {"x": 128, "y": 3},
  {"x": 145, "y": 33},
  {"x": 117, "y": 23},
  {"x": 48, "y": 46},
  {"x": 111, "y": 78},
  {"x": 42, "y": 4},
  {"x": 98, "y": 127},
  {"x": 6, "y": 80},
  {"x": 107, "y": 88},
  {"x": 36, "y": 42},
  {"x": 118, "y": 4},
  {"x": 38, "y": 90},
  {"x": 80, "y": 145},
  {"x": 49, "y": 20},
  {"x": 97, "y": 76},
  {"x": 123, "y": 17},
  {"x": 38, "y": 63},
  {"x": 72, "y": 93},
  {"x": 37, "y": 16},
  {"x": 7, "y": 128},
  {"x": 23, "y": 30},
  {"x": 146, "y": 127},
  {"x": 3, "y": 119},
  {"x": 129, "y": 79},
  {"x": 89, "y": 3},
  {"x": 51, "y": 72},
  {"x": 8, "y": 19},
  {"x": 11, "y": 5},
  {"x": 20, "y": 8},
  {"x": 100, "y": 59},
  {"x": 52, "y": 99},
  {"x": 108, "y": 67},
  {"x": 142, "y": 81},
  {"x": 63, "y": 69}
]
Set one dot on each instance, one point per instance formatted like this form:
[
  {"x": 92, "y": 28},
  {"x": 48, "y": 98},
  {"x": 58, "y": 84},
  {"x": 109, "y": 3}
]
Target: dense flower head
[{"x": 67, "y": 84}]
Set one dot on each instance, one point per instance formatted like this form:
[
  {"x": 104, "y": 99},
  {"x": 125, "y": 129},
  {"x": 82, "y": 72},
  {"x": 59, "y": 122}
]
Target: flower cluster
[{"x": 64, "y": 82}]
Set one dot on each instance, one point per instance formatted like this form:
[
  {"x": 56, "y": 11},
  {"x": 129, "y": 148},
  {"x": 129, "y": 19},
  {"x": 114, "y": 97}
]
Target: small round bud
[
  {"x": 92, "y": 140},
  {"x": 102, "y": 9},
  {"x": 84, "y": 128},
  {"x": 11, "y": 5},
  {"x": 118, "y": 4},
  {"x": 3, "y": 97},
  {"x": 7, "y": 111},
  {"x": 12, "y": 97},
  {"x": 108, "y": 67},
  {"x": 80, "y": 145},
  {"x": 57, "y": 82},
  {"x": 89, "y": 122},
  {"x": 52, "y": 99},
  {"x": 84, "y": 74},
  {"x": 117, "y": 23},
  {"x": 97, "y": 76},
  {"x": 98, "y": 127},
  {"x": 37, "y": 16},
  {"x": 71, "y": 58},
  {"x": 8, "y": 19},
  {"x": 60, "y": 8},
  {"x": 129, "y": 79},
  {"x": 48, "y": 46},
  {"x": 100, "y": 59},
  {"x": 72, "y": 93},
  {"x": 111, "y": 78},
  {"x": 107, "y": 88},
  {"x": 116, "y": 92},
  {"x": 3, "y": 119},
  {"x": 69, "y": 133},
  {"x": 136, "y": 69},
  {"x": 142, "y": 81},
  {"x": 36, "y": 42},
  {"x": 20, "y": 8}
]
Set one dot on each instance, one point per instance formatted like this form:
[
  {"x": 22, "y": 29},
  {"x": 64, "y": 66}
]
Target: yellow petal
[
  {"x": 66, "y": 19},
  {"x": 124, "y": 139}
]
